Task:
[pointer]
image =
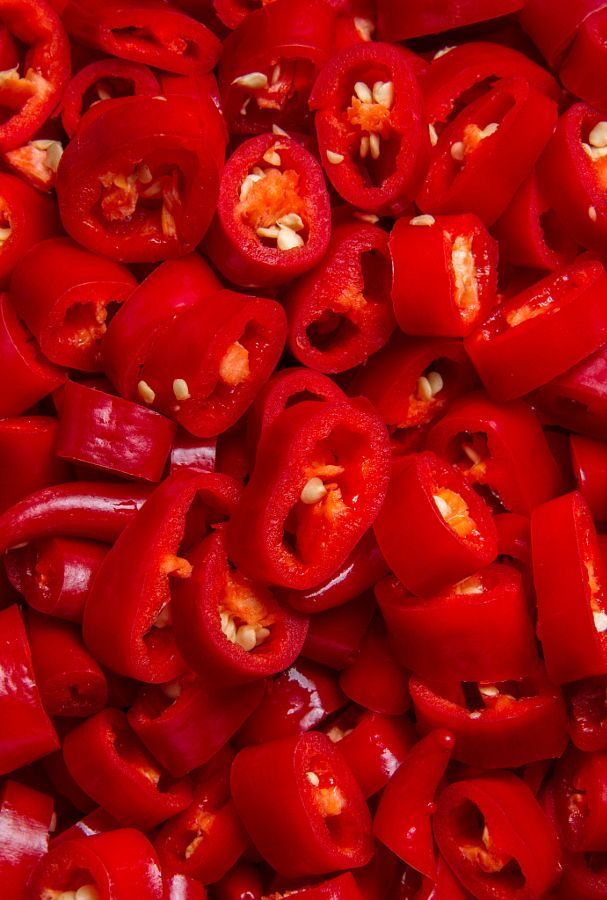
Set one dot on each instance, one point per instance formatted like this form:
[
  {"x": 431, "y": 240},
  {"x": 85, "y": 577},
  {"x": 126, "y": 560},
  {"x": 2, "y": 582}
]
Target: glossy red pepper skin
[
  {"x": 296, "y": 39},
  {"x": 144, "y": 31},
  {"x": 46, "y": 68},
  {"x": 77, "y": 509},
  {"x": 402, "y": 820},
  {"x": 391, "y": 380},
  {"x": 374, "y": 679},
  {"x": 296, "y": 701},
  {"x": 30, "y": 216},
  {"x": 121, "y": 864},
  {"x": 444, "y": 274},
  {"x": 577, "y": 399},
  {"x": 195, "y": 454},
  {"x": 340, "y": 313},
  {"x": 421, "y": 17},
  {"x": 498, "y": 733},
  {"x": 96, "y": 822},
  {"x": 504, "y": 349},
  {"x": 27, "y": 457},
  {"x": 22, "y": 366},
  {"x": 530, "y": 233},
  {"x": 112, "y": 434},
  {"x": 553, "y": 33},
  {"x": 110, "y": 764},
  {"x": 167, "y": 292},
  {"x": 306, "y": 440},
  {"x": 27, "y": 731},
  {"x": 570, "y": 594},
  {"x": 582, "y": 70},
  {"x": 25, "y": 821},
  {"x": 367, "y": 183},
  {"x": 579, "y": 788},
  {"x": 109, "y": 78},
  {"x": 587, "y": 701},
  {"x": 423, "y": 550},
  {"x": 334, "y": 636},
  {"x": 223, "y": 349},
  {"x": 55, "y": 574},
  {"x": 185, "y": 722},
  {"x": 589, "y": 461},
  {"x": 64, "y": 294},
  {"x": 361, "y": 570},
  {"x": 572, "y": 181},
  {"x": 69, "y": 680},
  {"x": 287, "y": 824},
  {"x": 451, "y": 635},
  {"x": 202, "y": 635},
  {"x": 517, "y": 830},
  {"x": 182, "y": 887},
  {"x": 115, "y": 141},
  {"x": 233, "y": 244},
  {"x": 492, "y": 167},
  {"x": 132, "y": 587},
  {"x": 501, "y": 449}
]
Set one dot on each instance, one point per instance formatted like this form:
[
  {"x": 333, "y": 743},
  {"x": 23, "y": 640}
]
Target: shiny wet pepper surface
[{"x": 303, "y": 450}]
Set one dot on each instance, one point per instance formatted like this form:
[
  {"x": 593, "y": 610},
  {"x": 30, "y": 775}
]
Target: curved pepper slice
[
  {"x": 31, "y": 95},
  {"x": 140, "y": 179},
  {"x": 65, "y": 295},
  {"x": 374, "y": 679},
  {"x": 315, "y": 819},
  {"x": 340, "y": 312},
  {"x": 145, "y": 31},
  {"x": 587, "y": 702},
  {"x": 577, "y": 399},
  {"x": 104, "y": 79},
  {"x": 117, "y": 865},
  {"x": 582, "y": 69},
  {"x": 228, "y": 625},
  {"x": 27, "y": 731},
  {"x": 402, "y": 820},
  {"x": 501, "y": 449},
  {"x": 495, "y": 836},
  {"x": 421, "y": 17},
  {"x": 107, "y": 760},
  {"x": 433, "y": 528},
  {"x": 27, "y": 457},
  {"x": 480, "y": 159},
  {"x": 26, "y": 217},
  {"x": 342, "y": 887},
  {"x": 451, "y": 635},
  {"x": 273, "y": 213},
  {"x": 127, "y": 618},
  {"x": 542, "y": 331},
  {"x": 589, "y": 463},
  {"x": 444, "y": 274},
  {"x": 270, "y": 62},
  {"x": 371, "y": 136},
  {"x": 25, "y": 820},
  {"x": 570, "y": 589},
  {"x": 112, "y": 434},
  {"x": 319, "y": 480},
  {"x": 579, "y": 784},
  {"x": 335, "y": 634},
  {"x": 496, "y": 726}
]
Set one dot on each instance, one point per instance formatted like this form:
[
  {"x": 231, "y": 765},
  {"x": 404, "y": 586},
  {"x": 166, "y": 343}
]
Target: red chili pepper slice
[
  {"x": 577, "y": 399},
  {"x": 374, "y": 679},
  {"x": 334, "y": 635},
  {"x": 25, "y": 820},
  {"x": 27, "y": 457},
  {"x": 272, "y": 213},
  {"x": 26, "y": 217},
  {"x": 587, "y": 702},
  {"x": 371, "y": 135},
  {"x": 421, "y": 17},
  {"x": 579, "y": 784}
]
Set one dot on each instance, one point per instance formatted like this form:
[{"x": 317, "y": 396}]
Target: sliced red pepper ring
[
  {"x": 374, "y": 679},
  {"x": 496, "y": 726},
  {"x": 449, "y": 635},
  {"x": 371, "y": 136},
  {"x": 270, "y": 62},
  {"x": 425, "y": 17},
  {"x": 569, "y": 302},
  {"x": 139, "y": 181},
  {"x": 412, "y": 381},
  {"x": 587, "y": 702},
  {"x": 227, "y": 624},
  {"x": 585, "y": 59},
  {"x": 144, "y": 31},
  {"x": 444, "y": 274},
  {"x": 127, "y": 618},
  {"x": 108, "y": 761},
  {"x": 495, "y": 836},
  {"x": 433, "y": 528},
  {"x": 319, "y": 480},
  {"x": 27, "y": 457},
  {"x": 117, "y": 864},
  {"x": 501, "y": 450},
  {"x": 104, "y": 79},
  {"x": 26, "y": 818},
  {"x": 479, "y": 161},
  {"x": 315, "y": 819},
  {"x": 335, "y": 634},
  {"x": 589, "y": 463},
  {"x": 272, "y": 213},
  {"x": 30, "y": 96},
  {"x": 340, "y": 312},
  {"x": 575, "y": 593},
  {"x": 26, "y": 217},
  {"x": 577, "y": 399},
  {"x": 579, "y": 787}
]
